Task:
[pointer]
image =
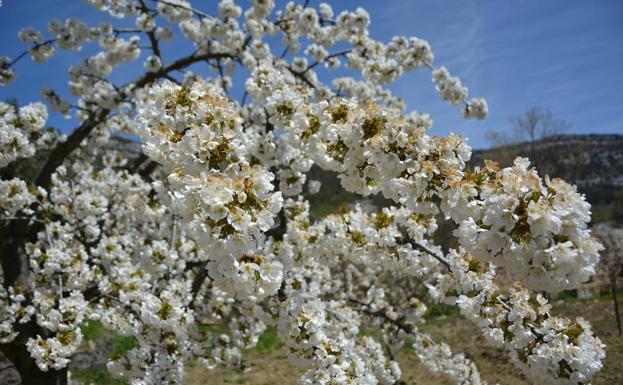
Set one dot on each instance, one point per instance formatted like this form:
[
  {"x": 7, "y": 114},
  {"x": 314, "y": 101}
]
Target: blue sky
[{"x": 563, "y": 55}]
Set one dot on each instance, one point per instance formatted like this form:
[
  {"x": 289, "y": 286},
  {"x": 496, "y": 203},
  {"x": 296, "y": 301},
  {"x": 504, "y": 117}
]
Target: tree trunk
[
  {"x": 51, "y": 377},
  {"x": 28, "y": 369},
  {"x": 613, "y": 286}
]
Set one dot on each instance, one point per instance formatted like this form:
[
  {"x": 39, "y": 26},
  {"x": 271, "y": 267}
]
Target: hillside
[{"x": 587, "y": 160}]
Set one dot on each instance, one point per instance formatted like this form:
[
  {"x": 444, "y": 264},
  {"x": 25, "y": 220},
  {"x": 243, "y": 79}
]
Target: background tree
[
  {"x": 610, "y": 267},
  {"x": 535, "y": 124}
]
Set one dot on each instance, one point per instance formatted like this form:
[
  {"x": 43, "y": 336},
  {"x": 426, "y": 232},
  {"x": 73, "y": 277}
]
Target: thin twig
[
  {"x": 222, "y": 75},
  {"x": 173, "y": 235},
  {"x": 336, "y": 54},
  {"x": 117, "y": 31},
  {"x": 150, "y": 34},
  {"x": 21, "y": 55},
  {"x": 427, "y": 250}
]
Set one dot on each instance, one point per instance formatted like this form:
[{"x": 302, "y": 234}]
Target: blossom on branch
[{"x": 208, "y": 225}]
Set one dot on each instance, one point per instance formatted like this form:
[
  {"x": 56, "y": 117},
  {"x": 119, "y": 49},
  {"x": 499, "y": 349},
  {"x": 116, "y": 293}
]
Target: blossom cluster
[
  {"x": 207, "y": 226},
  {"x": 547, "y": 348},
  {"x": 16, "y": 197},
  {"x": 611, "y": 262},
  {"x": 225, "y": 201},
  {"x": 536, "y": 228},
  {"x": 324, "y": 334},
  {"x": 356, "y": 259},
  {"x": 22, "y": 131}
]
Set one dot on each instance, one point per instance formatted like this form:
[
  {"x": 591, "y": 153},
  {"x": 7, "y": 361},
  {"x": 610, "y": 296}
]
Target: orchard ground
[{"x": 268, "y": 363}]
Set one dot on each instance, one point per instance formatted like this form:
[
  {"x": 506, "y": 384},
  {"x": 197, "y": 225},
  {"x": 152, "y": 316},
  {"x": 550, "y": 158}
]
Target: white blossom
[{"x": 208, "y": 225}]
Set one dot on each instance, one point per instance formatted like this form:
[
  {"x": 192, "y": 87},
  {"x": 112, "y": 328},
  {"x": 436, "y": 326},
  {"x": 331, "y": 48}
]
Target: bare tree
[
  {"x": 538, "y": 123},
  {"x": 611, "y": 265},
  {"x": 534, "y": 124}
]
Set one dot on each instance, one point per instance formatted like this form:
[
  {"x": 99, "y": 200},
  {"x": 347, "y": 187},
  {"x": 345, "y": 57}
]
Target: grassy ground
[{"x": 268, "y": 364}]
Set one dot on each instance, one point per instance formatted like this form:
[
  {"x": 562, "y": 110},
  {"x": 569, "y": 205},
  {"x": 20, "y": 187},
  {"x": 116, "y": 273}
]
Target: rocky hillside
[{"x": 585, "y": 160}]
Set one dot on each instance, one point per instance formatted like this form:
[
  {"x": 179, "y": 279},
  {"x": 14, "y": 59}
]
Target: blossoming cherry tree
[{"x": 209, "y": 225}]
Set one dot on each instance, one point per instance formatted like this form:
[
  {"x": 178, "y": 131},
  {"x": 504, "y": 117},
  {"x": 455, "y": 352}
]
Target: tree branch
[
  {"x": 150, "y": 34},
  {"x": 314, "y": 64},
  {"x": 64, "y": 149},
  {"x": 428, "y": 251}
]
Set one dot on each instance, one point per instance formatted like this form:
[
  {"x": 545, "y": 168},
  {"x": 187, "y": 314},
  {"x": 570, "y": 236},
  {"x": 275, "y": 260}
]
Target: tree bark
[
  {"x": 28, "y": 370},
  {"x": 613, "y": 286}
]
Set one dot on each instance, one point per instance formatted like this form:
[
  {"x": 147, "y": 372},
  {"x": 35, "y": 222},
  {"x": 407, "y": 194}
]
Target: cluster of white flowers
[
  {"x": 175, "y": 10},
  {"x": 61, "y": 266},
  {"x": 153, "y": 63},
  {"x": 195, "y": 230},
  {"x": 225, "y": 201},
  {"x": 15, "y": 196},
  {"x": 7, "y": 74},
  {"x": 64, "y": 320},
  {"x": 22, "y": 131},
  {"x": 358, "y": 258},
  {"x": 12, "y": 312},
  {"x": 30, "y": 35},
  {"x": 69, "y": 36},
  {"x": 448, "y": 86},
  {"x": 324, "y": 334},
  {"x": 476, "y": 108},
  {"x": 535, "y": 228},
  {"x": 116, "y": 8},
  {"x": 547, "y": 348},
  {"x": 160, "y": 329},
  {"x": 438, "y": 357}
]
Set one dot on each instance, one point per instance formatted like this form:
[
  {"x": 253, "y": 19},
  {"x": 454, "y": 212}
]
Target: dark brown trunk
[
  {"x": 613, "y": 286},
  {"x": 28, "y": 369},
  {"x": 51, "y": 377}
]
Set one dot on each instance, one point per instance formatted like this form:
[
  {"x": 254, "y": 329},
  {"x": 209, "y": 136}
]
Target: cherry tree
[
  {"x": 611, "y": 265},
  {"x": 209, "y": 226}
]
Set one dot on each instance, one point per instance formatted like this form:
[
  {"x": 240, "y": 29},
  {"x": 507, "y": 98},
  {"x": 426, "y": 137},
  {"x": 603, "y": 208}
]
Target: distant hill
[{"x": 585, "y": 160}]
